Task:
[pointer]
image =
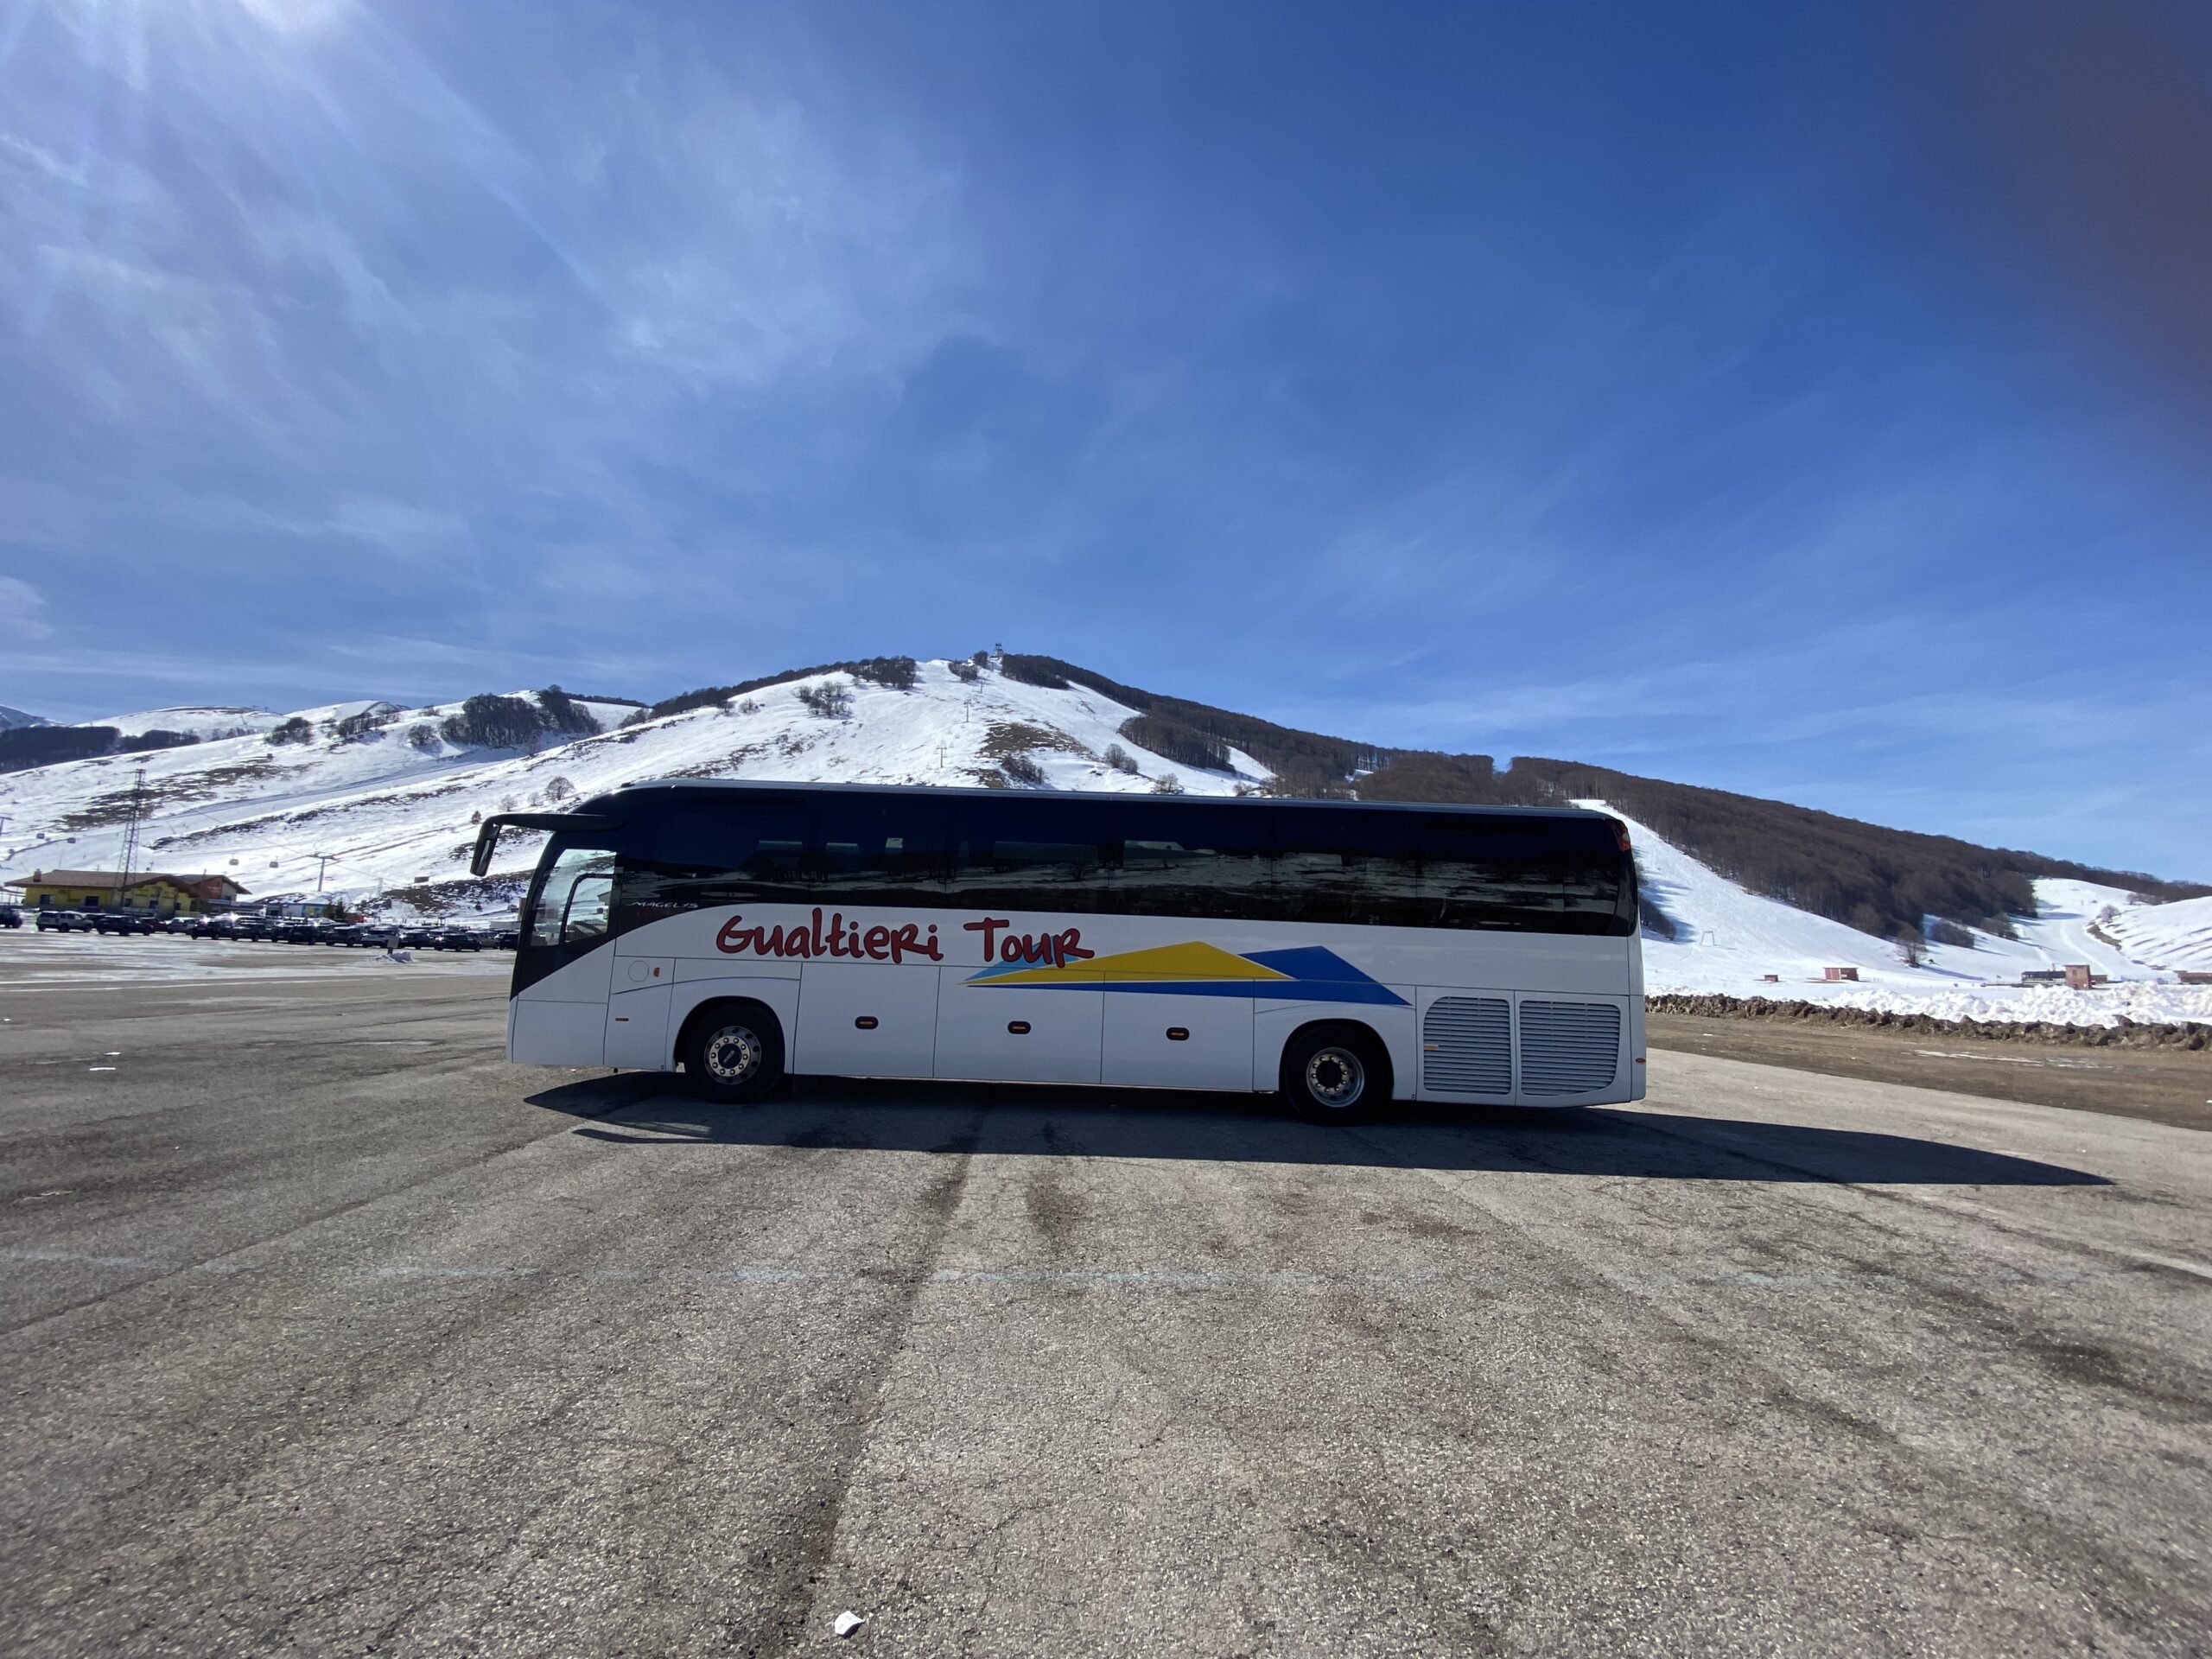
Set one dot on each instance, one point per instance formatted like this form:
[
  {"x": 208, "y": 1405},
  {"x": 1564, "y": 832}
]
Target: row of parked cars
[{"x": 282, "y": 930}]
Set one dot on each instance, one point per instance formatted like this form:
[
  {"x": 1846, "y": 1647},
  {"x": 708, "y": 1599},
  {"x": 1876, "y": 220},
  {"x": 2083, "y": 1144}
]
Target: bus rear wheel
[
  {"x": 733, "y": 1051},
  {"x": 1335, "y": 1074}
]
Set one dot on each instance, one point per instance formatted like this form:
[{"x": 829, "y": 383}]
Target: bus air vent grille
[
  {"x": 1568, "y": 1048},
  {"x": 1467, "y": 1046}
]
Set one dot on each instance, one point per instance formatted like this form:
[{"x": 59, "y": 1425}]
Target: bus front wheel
[
  {"x": 1335, "y": 1074},
  {"x": 733, "y": 1051}
]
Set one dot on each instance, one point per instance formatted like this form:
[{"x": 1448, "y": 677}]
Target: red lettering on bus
[{"x": 879, "y": 943}]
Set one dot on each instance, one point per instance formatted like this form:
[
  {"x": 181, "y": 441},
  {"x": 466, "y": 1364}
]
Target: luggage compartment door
[
  {"x": 865, "y": 1019},
  {"x": 1156, "y": 1041},
  {"x": 1017, "y": 1034}
]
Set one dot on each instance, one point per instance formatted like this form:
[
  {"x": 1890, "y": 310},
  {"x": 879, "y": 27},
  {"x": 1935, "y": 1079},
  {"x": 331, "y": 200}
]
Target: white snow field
[
  {"x": 2177, "y": 936},
  {"x": 394, "y": 808},
  {"x": 1728, "y": 940},
  {"x": 194, "y": 722}
]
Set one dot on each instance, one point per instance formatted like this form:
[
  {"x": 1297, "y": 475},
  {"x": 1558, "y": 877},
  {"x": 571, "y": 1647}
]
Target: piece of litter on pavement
[
  {"x": 99, "y": 1068},
  {"x": 848, "y": 1622}
]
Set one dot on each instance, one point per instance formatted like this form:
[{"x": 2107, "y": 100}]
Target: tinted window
[
  {"x": 1488, "y": 871},
  {"x": 1347, "y": 867},
  {"x": 1189, "y": 861},
  {"x": 691, "y": 856},
  {"x": 871, "y": 850},
  {"x": 1027, "y": 853},
  {"x": 1596, "y": 890}
]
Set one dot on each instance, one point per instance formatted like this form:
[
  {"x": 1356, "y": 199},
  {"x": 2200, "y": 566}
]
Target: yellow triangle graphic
[
  {"x": 1163, "y": 961},
  {"x": 1193, "y": 961}
]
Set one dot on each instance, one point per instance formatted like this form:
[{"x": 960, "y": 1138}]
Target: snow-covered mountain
[
  {"x": 192, "y": 721},
  {"x": 12, "y": 718},
  {"x": 392, "y": 800}
]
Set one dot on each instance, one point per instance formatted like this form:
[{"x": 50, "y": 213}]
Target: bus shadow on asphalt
[{"x": 648, "y": 1110}]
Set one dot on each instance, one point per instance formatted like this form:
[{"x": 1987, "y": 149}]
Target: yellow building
[{"x": 152, "y": 890}]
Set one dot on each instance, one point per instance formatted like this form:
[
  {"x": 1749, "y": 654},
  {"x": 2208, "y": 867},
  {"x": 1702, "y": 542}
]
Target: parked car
[
  {"x": 180, "y": 923},
  {"x": 58, "y": 921},
  {"x": 506, "y": 938},
  {"x": 456, "y": 938},
  {"x": 122, "y": 922},
  {"x": 10, "y": 917},
  {"x": 297, "y": 930},
  {"x": 213, "y": 927},
  {"x": 250, "y": 927},
  {"x": 419, "y": 936}
]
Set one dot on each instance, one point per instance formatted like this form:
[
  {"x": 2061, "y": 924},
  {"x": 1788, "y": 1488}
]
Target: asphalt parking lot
[{"x": 326, "y": 1331}]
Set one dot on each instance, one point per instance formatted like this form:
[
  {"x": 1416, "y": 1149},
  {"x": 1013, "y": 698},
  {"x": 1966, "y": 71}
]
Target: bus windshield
[{"x": 574, "y": 899}]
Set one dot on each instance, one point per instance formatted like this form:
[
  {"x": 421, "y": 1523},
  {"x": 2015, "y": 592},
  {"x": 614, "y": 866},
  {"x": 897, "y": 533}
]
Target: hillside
[
  {"x": 2177, "y": 936},
  {"x": 1739, "y": 888}
]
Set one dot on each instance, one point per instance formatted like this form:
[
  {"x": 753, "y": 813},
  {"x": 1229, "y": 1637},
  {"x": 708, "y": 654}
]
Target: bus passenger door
[
  {"x": 1017, "y": 1034},
  {"x": 1162, "y": 1040},
  {"x": 865, "y": 1019},
  {"x": 636, "y": 1013}
]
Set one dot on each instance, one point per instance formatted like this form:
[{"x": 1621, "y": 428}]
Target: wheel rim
[
  {"x": 1335, "y": 1077},
  {"x": 733, "y": 1054}
]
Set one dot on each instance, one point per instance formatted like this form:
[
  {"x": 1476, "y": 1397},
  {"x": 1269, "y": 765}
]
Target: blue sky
[{"x": 1792, "y": 405}]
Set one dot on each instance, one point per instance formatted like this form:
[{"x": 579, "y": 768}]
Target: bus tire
[
  {"x": 732, "y": 1052},
  {"x": 1336, "y": 1074}
]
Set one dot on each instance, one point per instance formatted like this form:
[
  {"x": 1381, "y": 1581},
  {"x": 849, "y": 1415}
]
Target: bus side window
[
  {"x": 1350, "y": 867},
  {"x": 876, "y": 852},
  {"x": 1024, "y": 853},
  {"x": 1590, "y": 864},
  {"x": 1489, "y": 873},
  {"x": 701, "y": 857},
  {"x": 591, "y": 902},
  {"x": 1189, "y": 862}
]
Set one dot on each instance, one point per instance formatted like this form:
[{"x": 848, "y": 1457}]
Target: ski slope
[
  {"x": 192, "y": 721},
  {"x": 1729, "y": 940},
  {"x": 2178, "y": 936}
]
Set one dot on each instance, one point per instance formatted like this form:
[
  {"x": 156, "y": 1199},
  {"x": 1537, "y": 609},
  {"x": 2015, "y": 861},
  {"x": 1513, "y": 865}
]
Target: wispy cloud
[{"x": 22, "y": 611}]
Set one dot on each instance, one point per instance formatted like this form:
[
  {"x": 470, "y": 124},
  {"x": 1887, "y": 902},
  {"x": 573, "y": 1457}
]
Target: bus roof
[{"x": 745, "y": 785}]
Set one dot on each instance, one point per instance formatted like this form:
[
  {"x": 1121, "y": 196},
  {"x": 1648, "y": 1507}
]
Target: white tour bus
[{"x": 1346, "y": 955}]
